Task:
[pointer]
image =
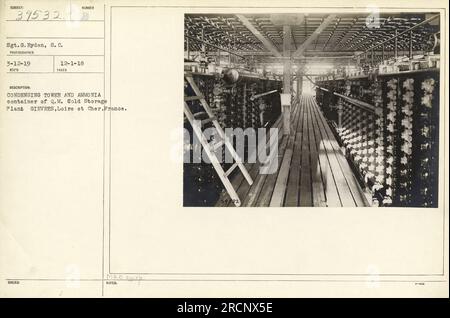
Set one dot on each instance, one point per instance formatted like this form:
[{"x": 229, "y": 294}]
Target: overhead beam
[
  {"x": 308, "y": 53},
  {"x": 258, "y": 35},
  {"x": 272, "y": 59},
  {"x": 304, "y": 58},
  {"x": 314, "y": 36}
]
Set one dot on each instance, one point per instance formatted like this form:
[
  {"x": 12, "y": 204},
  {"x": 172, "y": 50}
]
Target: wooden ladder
[{"x": 210, "y": 148}]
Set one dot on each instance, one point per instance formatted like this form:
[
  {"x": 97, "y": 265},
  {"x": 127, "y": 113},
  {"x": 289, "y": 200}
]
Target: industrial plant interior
[{"x": 354, "y": 96}]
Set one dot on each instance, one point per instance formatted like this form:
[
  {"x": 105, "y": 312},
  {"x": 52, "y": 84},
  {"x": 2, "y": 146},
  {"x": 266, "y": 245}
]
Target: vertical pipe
[
  {"x": 203, "y": 53},
  {"x": 396, "y": 44},
  {"x": 410, "y": 44},
  {"x": 234, "y": 47},
  {"x": 187, "y": 48},
  {"x": 203, "y": 40},
  {"x": 340, "y": 109},
  {"x": 286, "y": 110},
  {"x": 382, "y": 52},
  {"x": 229, "y": 54}
]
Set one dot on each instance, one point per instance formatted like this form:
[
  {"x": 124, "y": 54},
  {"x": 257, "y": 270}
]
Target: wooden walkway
[{"x": 312, "y": 170}]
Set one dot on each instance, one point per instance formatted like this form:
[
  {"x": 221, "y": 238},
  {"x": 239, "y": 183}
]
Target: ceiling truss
[{"x": 256, "y": 34}]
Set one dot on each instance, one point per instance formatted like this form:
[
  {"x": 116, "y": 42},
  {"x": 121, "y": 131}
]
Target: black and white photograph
[
  {"x": 311, "y": 109},
  {"x": 303, "y": 153}
]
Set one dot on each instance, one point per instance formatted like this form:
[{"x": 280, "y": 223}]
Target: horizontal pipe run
[
  {"x": 263, "y": 94},
  {"x": 355, "y": 102}
]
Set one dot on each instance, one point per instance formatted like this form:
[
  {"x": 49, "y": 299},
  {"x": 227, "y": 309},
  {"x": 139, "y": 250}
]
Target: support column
[
  {"x": 299, "y": 81},
  {"x": 286, "y": 101}
]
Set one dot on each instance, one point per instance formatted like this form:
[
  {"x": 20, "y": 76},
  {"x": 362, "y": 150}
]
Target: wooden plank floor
[{"x": 312, "y": 170}]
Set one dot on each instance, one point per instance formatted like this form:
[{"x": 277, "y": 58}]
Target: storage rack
[
  {"x": 234, "y": 107},
  {"x": 388, "y": 126}
]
